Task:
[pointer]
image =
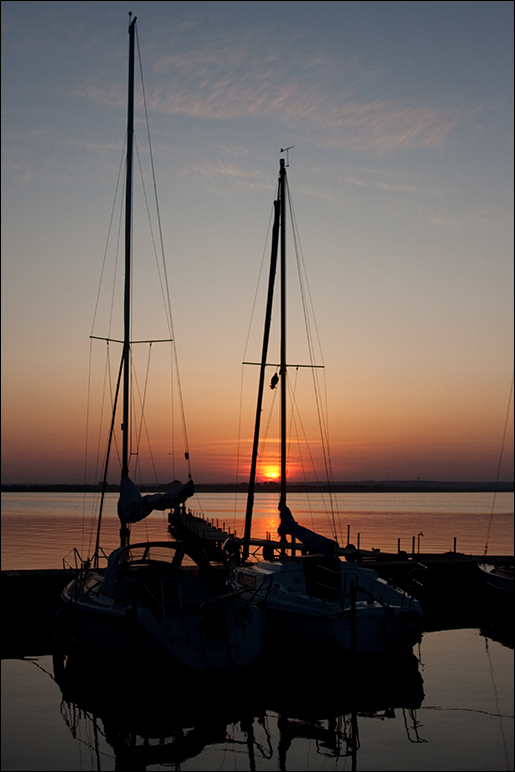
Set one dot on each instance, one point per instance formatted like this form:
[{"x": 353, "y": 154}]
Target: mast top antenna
[{"x": 285, "y": 150}]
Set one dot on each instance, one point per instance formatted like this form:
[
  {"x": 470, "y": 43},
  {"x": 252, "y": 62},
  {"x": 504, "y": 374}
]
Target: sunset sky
[{"x": 400, "y": 115}]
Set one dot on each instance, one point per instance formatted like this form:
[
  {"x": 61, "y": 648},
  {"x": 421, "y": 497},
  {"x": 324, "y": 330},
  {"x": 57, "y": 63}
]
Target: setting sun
[{"x": 272, "y": 472}]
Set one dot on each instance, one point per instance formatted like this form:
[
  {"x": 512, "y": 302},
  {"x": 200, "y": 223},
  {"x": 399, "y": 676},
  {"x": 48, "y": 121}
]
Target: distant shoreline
[{"x": 400, "y": 486}]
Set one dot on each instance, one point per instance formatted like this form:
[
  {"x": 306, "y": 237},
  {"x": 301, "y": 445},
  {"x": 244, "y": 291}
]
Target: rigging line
[
  {"x": 299, "y": 253},
  {"x": 121, "y": 223},
  {"x": 172, "y": 414},
  {"x": 306, "y": 296},
  {"x": 304, "y": 284},
  {"x": 466, "y": 710},
  {"x": 106, "y": 464},
  {"x": 302, "y": 276},
  {"x": 258, "y": 280},
  {"x": 143, "y": 421},
  {"x": 264, "y": 438},
  {"x": 138, "y": 425},
  {"x": 90, "y": 364},
  {"x": 86, "y": 444},
  {"x": 305, "y": 293},
  {"x": 292, "y": 388},
  {"x": 106, "y": 389},
  {"x": 293, "y": 426},
  {"x": 322, "y": 412},
  {"x": 496, "y": 699},
  {"x": 253, "y": 309},
  {"x": 145, "y": 198},
  {"x": 238, "y": 443},
  {"x": 113, "y": 396},
  {"x": 183, "y": 416},
  {"x": 304, "y": 290},
  {"x": 313, "y": 465},
  {"x": 166, "y": 298},
  {"x": 102, "y": 411},
  {"x": 108, "y": 235},
  {"x": 499, "y": 464}
]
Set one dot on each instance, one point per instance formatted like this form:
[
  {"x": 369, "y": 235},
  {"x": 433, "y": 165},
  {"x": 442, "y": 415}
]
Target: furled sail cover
[
  {"x": 310, "y": 539},
  {"x": 132, "y": 506}
]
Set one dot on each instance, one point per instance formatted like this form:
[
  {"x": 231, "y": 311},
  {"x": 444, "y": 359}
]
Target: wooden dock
[{"x": 213, "y": 537}]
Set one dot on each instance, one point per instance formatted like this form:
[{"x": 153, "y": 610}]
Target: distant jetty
[{"x": 382, "y": 486}]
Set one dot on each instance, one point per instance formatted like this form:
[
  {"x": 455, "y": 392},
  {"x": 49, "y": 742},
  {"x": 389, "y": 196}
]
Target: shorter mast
[
  {"x": 264, "y": 352},
  {"x": 276, "y": 233},
  {"x": 284, "y": 383}
]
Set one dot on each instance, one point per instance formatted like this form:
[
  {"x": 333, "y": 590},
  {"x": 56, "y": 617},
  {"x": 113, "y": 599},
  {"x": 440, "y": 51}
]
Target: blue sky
[{"x": 401, "y": 118}]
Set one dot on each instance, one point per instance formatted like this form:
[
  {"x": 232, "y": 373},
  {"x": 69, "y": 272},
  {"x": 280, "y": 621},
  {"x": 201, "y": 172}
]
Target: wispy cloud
[
  {"x": 97, "y": 147},
  {"x": 221, "y": 81},
  {"x": 381, "y": 185},
  {"x": 222, "y": 169},
  {"x": 377, "y": 125},
  {"x": 439, "y": 220},
  {"x": 17, "y": 172}
]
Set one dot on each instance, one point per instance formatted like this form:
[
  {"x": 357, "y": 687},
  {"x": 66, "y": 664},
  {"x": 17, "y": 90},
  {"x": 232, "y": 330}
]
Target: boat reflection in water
[{"x": 262, "y": 717}]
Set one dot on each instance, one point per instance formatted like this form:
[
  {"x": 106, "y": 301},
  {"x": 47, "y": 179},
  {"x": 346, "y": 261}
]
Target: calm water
[
  {"x": 448, "y": 707},
  {"x": 452, "y": 711},
  {"x": 38, "y": 530}
]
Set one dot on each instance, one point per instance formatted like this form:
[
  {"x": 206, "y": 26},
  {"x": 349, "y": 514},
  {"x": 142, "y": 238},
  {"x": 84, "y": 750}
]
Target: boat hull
[
  {"x": 376, "y": 619},
  {"x": 499, "y": 579},
  {"x": 233, "y": 637},
  {"x": 368, "y": 631},
  {"x": 159, "y": 611}
]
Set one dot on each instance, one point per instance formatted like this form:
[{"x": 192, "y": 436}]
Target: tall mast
[
  {"x": 128, "y": 249},
  {"x": 282, "y": 187}
]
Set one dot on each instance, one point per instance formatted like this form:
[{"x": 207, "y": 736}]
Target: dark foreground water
[{"x": 450, "y": 707}]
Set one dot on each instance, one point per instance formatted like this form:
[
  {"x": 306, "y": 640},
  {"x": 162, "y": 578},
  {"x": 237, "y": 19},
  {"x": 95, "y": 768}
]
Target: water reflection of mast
[
  {"x": 415, "y": 723},
  {"x": 74, "y": 718},
  {"x": 105, "y": 710},
  {"x": 341, "y": 730},
  {"x": 497, "y": 708}
]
